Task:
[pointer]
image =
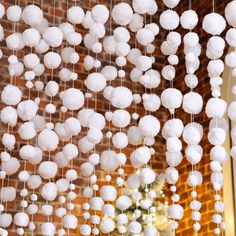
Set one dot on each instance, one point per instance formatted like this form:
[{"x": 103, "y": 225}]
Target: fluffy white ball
[
  {"x": 169, "y": 19},
  {"x": 14, "y": 41},
  {"x": 14, "y": 13},
  {"x": 96, "y": 203},
  {"x": 11, "y": 95},
  {"x": 173, "y": 159},
  {"x": 5, "y": 220},
  {"x": 192, "y": 103},
  {"x": 189, "y": 19},
  {"x": 107, "y": 225},
  {"x": 151, "y": 102},
  {"x": 172, "y": 128},
  {"x": 171, "y": 98},
  {"x": 120, "y": 140},
  {"x": 231, "y": 37},
  {"x": 175, "y": 211},
  {"x": 171, "y": 3},
  {"x": 230, "y": 59},
  {"x": 72, "y": 99},
  {"x": 9, "y": 116},
  {"x": 75, "y": 15},
  {"x": 122, "y": 13},
  {"x": 48, "y": 140},
  {"x": 21, "y": 219},
  {"x": 8, "y": 194},
  {"x": 108, "y": 193},
  {"x": 27, "y": 131},
  {"x": 47, "y": 229},
  {"x": 229, "y": 13},
  {"x": 52, "y": 60},
  {"x": 32, "y": 15},
  {"x": 2, "y": 10},
  {"x": 27, "y": 110},
  {"x": 121, "y": 97},
  {"x": 11, "y": 166},
  {"x": 47, "y": 169},
  {"x": 70, "y": 221},
  {"x": 121, "y": 118},
  {"x": 147, "y": 176},
  {"x": 149, "y": 126},
  {"x": 108, "y": 160},
  {"x": 134, "y": 227},
  {"x": 192, "y": 133},
  {"x": 215, "y": 107},
  {"x": 100, "y": 13},
  {"x": 31, "y": 37},
  {"x": 216, "y": 136},
  {"x": 53, "y": 36},
  {"x": 194, "y": 154},
  {"x": 123, "y": 203},
  {"x": 95, "y": 82},
  {"x": 151, "y": 79},
  {"x": 135, "y": 136},
  {"x": 144, "y": 63},
  {"x": 214, "y": 23},
  {"x": 49, "y": 191}
]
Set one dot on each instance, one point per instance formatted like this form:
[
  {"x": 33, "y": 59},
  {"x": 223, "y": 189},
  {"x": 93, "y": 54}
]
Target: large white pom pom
[
  {"x": 135, "y": 227},
  {"x": 121, "y": 118},
  {"x": 175, "y": 212},
  {"x": 53, "y": 36},
  {"x": 149, "y": 126},
  {"x": 52, "y": 60},
  {"x": 9, "y": 116},
  {"x": 27, "y": 110},
  {"x": 8, "y": 194},
  {"x": 216, "y": 107},
  {"x": 108, "y": 193},
  {"x": 75, "y": 15},
  {"x": 47, "y": 169},
  {"x": 14, "y": 13},
  {"x": 169, "y": 19},
  {"x": 171, "y": 3},
  {"x": 72, "y": 99},
  {"x": 49, "y": 191},
  {"x": 214, "y": 24},
  {"x": 47, "y": 229},
  {"x": 21, "y": 219},
  {"x": 123, "y": 203},
  {"x": 135, "y": 135},
  {"x": 100, "y": 13},
  {"x": 172, "y": 128},
  {"x": 108, "y": 160},
  {"x": 48, "y": 140},
  {"x": 11, "y": 95},
  {"x": 95, "y": 82},
  {"x": 32, "y": 15},
  {"x": 70, "y": 221},
  {"x": 189, "y": 19},
  {"x": 192, "y": 103},
  {"x": 147, "y": 176},
  {"x": 107, "y": 225},
  {"x": 171, "y": 98},
  {"x": 230, "y": 13},
  {"x": 193, "y": 133},
  {"x": 121, "y": 97},
  {"x": 122, "y": 13}
]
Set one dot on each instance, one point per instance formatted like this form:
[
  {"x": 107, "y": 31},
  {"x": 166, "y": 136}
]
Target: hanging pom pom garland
[
  {"x": 214, "y": 24},
  {"x": 171, "y": 98},
  {"x": 49, "y": 141},
  {"x": 192, "y": 104}
]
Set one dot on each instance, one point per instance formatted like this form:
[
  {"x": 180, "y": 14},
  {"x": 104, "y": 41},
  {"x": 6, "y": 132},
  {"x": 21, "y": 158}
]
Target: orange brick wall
[{"x": 158, "y": 161}]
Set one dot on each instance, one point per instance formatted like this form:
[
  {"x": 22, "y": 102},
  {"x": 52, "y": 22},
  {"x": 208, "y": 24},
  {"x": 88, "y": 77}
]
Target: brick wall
[{"x": 158, "y": 161}]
